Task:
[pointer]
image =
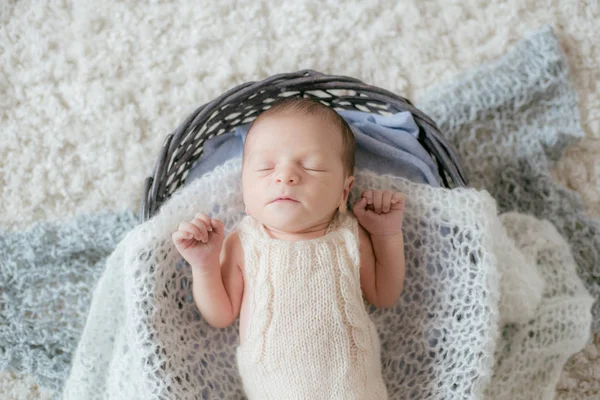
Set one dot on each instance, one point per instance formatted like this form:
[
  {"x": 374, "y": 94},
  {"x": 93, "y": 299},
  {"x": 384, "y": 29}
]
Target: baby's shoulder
[{"x": 232, "y": 248}]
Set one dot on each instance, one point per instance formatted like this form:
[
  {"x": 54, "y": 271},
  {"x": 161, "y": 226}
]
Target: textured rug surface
[{"x": 88, "y": 91}]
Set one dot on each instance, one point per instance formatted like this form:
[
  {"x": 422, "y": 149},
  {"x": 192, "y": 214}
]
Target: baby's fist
[
  {"x": 200, "y": 240},
  {"x": 380, "y": 212}
]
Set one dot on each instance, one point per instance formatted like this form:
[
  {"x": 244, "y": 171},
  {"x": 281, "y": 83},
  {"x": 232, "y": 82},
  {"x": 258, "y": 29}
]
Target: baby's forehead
[
  {"x": 321, "y": 135},
  {"x": 270, "y": 148},
  {"x": 265, "y": 127},
  {"x": 290, "y": 116}
]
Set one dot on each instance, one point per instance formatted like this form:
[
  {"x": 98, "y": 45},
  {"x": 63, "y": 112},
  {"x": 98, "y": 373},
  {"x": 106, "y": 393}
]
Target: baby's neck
[{"x": 312, "y": 232}]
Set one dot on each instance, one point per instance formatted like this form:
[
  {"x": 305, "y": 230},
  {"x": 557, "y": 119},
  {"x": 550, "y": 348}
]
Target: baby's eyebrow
[
  {"x": 317, "y": 156},
  {"x": 254, "y": 154},
  {"x": 314, "y": 155},
  {"x": 318, "y": 153}
]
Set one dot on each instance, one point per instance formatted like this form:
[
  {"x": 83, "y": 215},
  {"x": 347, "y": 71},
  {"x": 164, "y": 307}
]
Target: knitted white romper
[{"x": 308, "y": 333}]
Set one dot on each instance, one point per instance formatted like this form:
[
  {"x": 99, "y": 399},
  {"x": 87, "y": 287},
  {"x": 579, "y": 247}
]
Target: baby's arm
[
  {"x": 380, "y": 215},
  {"x": 218, "y": 291},
  {"x": 382, "y": 268},
  {"x": 217, "y": 281}
]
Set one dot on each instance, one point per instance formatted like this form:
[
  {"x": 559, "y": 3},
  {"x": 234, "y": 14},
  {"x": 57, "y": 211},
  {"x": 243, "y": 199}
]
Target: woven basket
[{"x": 245, "y": 102}]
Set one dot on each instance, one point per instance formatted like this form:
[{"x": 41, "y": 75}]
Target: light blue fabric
[{"x": 384, "y": 144}]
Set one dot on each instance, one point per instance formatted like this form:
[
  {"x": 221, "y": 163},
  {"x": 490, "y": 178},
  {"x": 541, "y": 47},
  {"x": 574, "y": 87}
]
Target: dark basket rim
[{"x": 172, "y": 165}]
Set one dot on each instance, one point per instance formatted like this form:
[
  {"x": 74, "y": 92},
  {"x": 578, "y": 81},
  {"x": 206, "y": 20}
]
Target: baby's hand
[
  {"x": 380, "y": 212},
  {"x": 200, "y": 241}
]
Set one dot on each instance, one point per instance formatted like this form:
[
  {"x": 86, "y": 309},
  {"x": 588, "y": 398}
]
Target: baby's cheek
[
  {"x": 250, "y": 195},
  {"x": 327, "y": 195}
]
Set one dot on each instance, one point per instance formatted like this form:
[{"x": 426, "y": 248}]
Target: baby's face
[{"x": 298, "y": 157}]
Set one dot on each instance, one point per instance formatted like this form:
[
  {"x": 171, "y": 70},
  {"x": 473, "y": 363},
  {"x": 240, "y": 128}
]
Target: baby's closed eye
[
  {"x": 263, "y": 166},
  {"x": 314, "y": 166}
]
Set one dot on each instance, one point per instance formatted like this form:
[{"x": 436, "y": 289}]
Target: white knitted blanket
[
  {"x": 492, "y": 305},
  {"x": 145, "y": 339}
]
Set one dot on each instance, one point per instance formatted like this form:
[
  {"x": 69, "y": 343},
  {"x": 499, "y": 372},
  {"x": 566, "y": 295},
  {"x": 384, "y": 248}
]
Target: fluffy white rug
[{"x": 88, "y": 91}]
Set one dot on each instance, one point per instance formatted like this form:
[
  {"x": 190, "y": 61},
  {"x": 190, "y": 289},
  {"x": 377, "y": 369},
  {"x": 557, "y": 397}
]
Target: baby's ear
[{"x": 348, "y": 183}]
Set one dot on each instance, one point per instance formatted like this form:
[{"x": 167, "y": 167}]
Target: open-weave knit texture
[
  {"x": 144, "y": 337},
  {"x": 510, "y": 121},
  {"x": 47, "y": 275},
  {"x": 162, "y": 346}
]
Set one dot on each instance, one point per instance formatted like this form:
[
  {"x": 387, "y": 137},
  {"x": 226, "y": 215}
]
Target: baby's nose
[{"x": 287, "y": 176}]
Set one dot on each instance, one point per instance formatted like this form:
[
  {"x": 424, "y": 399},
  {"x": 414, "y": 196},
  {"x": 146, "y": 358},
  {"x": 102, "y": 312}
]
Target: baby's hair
[{"x": 313, "y": 107}]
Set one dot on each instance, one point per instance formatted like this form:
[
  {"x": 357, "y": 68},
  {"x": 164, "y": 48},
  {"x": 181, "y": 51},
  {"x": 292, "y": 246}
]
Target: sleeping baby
[{"x": 299, "y": 264}]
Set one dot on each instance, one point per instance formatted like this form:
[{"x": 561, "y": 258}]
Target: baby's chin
[{"x": 287, "y": 222}]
